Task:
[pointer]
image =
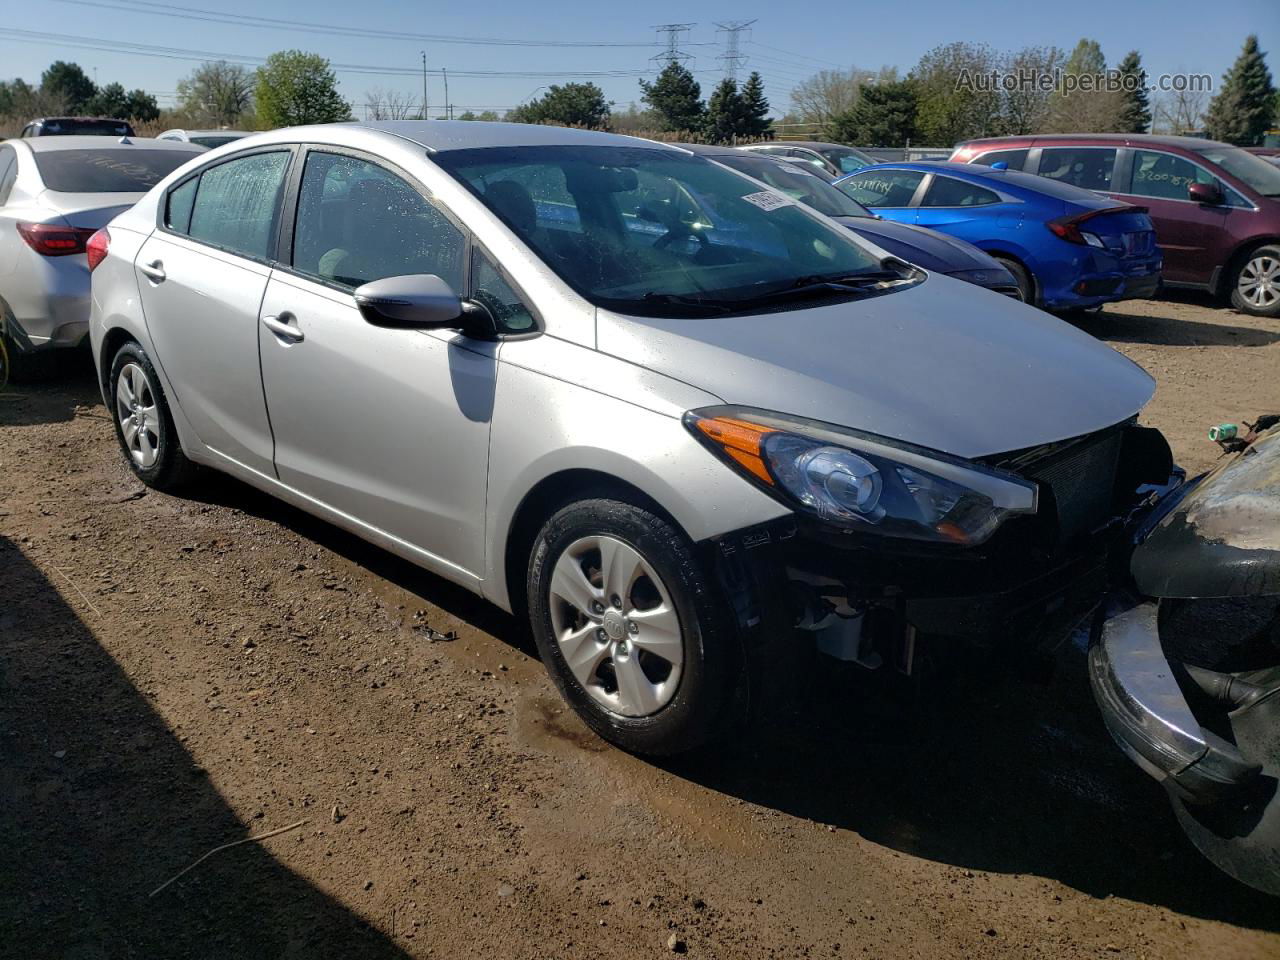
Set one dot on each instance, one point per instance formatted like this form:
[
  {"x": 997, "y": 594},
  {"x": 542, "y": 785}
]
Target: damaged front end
[{"x": 1186, "y": 670}]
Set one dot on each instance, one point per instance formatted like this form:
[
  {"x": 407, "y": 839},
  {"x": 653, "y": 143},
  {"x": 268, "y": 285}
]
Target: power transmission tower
[
  {"x": 670, "y": 34},
  {"x": 733, "y": 57}
]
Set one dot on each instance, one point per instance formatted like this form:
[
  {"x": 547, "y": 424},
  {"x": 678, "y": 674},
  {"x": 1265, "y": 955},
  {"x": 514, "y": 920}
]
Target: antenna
[
  {"x": 673, "y": 53},
  {"x": 732, "y": 58}
]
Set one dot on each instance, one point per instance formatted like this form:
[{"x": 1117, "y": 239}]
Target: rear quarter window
[
  {"x": 1015, "y": 159},
  {"x": 107, "y": 171}
]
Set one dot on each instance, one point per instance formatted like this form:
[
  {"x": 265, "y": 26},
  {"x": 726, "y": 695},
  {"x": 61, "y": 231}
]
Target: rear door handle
[
  {"x": 282, "y": 328},
  {"x": 153, "y": 271}
]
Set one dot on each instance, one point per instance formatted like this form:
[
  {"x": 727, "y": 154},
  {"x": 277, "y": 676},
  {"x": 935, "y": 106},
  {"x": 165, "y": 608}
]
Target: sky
[{"x": 590, "y": 41}]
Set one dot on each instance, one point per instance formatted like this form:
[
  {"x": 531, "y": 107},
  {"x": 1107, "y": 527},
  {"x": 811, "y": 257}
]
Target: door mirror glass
[
  {"x": 1205, "y": 193},
  {"x": 420, "y": 300}
]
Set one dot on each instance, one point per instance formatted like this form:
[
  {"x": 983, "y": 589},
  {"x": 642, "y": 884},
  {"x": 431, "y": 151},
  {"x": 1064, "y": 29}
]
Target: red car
[{"x": 1216, "y": 207}]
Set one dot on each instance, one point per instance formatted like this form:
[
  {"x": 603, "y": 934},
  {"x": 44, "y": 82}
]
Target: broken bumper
[{"x": 1147, "y": 714}]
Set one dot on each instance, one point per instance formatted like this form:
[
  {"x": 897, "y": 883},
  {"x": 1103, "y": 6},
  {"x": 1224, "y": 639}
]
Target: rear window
[
  {"x": 68, "y": 126},
  {"x": 213, "y": 141},
  {"x": 107, "y": 171}
]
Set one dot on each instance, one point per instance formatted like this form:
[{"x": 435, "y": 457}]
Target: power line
[
  {"x": 802, "y": 56},
  {"x": 672, "y": 53},
  {"x": 732, "y": 58},
  {"x": 238, "y": 19}
]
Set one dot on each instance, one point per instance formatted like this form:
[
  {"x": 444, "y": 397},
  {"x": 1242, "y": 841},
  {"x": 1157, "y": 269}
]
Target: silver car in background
[
  {"x": 54, "y": 193},
  {"x": 204, "y": 138},
  {"x": 657, "y": 408}
]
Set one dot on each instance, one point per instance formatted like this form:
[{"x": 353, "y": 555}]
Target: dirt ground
[{"x": 179, "y": 674}]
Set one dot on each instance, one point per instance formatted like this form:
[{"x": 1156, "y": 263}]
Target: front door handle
[
  {"x": 153, "y": 271},
  {"x": 282, "y": 328}
]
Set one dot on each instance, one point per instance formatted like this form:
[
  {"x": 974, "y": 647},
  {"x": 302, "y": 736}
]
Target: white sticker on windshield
[{"x": 768, "y": 200}]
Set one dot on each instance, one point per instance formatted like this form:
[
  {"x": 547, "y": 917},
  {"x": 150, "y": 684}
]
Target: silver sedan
[
  {"x": 654, "y": 407},
  {"x": 54, "y": 193}
]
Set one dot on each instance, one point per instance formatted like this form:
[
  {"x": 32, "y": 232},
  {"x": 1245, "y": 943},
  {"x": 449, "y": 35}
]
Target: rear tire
[
  {"x": 144, "y": 425},
  {"x": 655, "y": 661},
  {"x": 1026, "y": 285},
  {"x": 1255, "y": 284}
]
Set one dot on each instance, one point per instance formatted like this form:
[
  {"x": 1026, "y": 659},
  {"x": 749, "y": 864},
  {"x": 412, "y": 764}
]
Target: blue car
[{"x": 1068, "y": 248}]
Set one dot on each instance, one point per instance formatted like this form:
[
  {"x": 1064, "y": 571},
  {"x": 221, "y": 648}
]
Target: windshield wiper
[
  {"x": 833, "y": 283},
  {"x": 692, "y": 303}
]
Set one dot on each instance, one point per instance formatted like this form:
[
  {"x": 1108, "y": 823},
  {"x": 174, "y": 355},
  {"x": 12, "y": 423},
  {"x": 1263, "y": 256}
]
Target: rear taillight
[
  {"x": 96, "y": 248},
  {"x": 52, "y": 240},
  {"x": 1068, "y": 228}
]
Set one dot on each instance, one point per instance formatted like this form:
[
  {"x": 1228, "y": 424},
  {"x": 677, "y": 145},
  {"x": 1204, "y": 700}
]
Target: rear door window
[
  {"x": 238, "y": 202},
  {"x": 1165, "y": 176},
  {"x": 1089, "y": 168},
  {"x": 950, "y": 192},
  {"x": 359, "y": 222},
  {"x": 1014, "y": 158},
  {"x": 118, "y": 170},
  {"x": 883, "y": 188}
]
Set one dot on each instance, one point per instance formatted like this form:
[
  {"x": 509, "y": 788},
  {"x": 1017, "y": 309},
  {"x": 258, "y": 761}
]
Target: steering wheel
[{"x": 677, "y": 232}]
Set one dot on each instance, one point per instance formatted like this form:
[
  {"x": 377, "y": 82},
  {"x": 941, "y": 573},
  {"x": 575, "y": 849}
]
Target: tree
[
  {"x": 755, "y": 108},
  {"x": 1025, "y": 102},
  {"x": 676, "y": 98},
  {"x": 885, "y": 116},
  {"x": 1245, "y": 105},
  {"x": 570, "y": 105},
  {"x": 1179, "y": 112},
  {"x": 827, "y": 94},
  {"x": 69, "y": 81},
  {"x": 955, "y": 103},
  {"x": 216, "y": 93},
  {"x": 110, "y": 101},
  {"x": 140, "y": 105},
  {"x": 15, "y": 97},
  {"x": 1134, "y": 115},
  {"x": 382, "y": 104},
  {"x": 724, "y": 116},
  {"x": 295, "y": 88},
  {"x": 1079, "y": 104}
]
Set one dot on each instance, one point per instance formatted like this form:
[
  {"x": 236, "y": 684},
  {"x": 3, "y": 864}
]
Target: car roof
[
  {"x": 708, "y": 149},
  {"x": 1119, "y": 139},
  {"x": 997, "y": 178},
  {"x": 442, "y": 135},
  {"x": 49, "y": 144}
]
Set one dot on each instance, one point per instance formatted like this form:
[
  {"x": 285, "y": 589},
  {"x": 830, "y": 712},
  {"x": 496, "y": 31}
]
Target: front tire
[
  {"x": 144, "y": 425},
  {"x": 1255, "y": 287},
  {"x": 631, "y": 628}
]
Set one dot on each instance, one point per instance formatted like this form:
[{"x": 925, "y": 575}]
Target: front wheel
[
  {"x": 1026, "y": 285},
  {"x": 630, "y": 628},
  {"x": 1255, "y": 288}
]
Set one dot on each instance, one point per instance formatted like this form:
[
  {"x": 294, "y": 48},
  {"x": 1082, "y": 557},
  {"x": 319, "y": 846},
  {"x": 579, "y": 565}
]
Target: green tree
[
  {"x": 885, "y": 116},
  {"x": 755, "y": 108},
  {"x": 1245, "y": 105},
  {"x": 1081, "y": 107},
  {"x": 676, "y": 98},
  {"x": 216, "y": 93},
  {"x": 723, "y": 119},
  {"x": 294, "y": 87},
  {"x": 15, "y": 97},
  {"x": 70, "y": 82},
  {"x": 140, "y": 105},
  {"x": 110, "y": 101},
  {"x": 954, "y": 103},
  {"x": 570, "y": 105},
  {"x": 1134, "y": 115}
]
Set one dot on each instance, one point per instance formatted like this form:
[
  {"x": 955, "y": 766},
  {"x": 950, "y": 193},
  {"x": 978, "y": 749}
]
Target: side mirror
[
  {"x": 420, "y": 300},
  {"x": 1209, "y": 193}
]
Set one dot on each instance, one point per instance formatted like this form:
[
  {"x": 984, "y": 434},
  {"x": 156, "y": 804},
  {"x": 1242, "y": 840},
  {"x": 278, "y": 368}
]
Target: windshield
[
  {"x": 848, "y": 159},
  {"x": 107, "y": 171},
  {"x": 797, "y": 183},
  {"x": 1251, "y": 169},
  {"x": 656, "y": 231}
]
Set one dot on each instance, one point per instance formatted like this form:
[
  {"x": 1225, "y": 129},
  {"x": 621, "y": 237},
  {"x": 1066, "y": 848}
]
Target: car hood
[
  {"x": 89, "y": 210},
  {"x": 944, "y": 364},
  {"x": 922, "y": 246}
]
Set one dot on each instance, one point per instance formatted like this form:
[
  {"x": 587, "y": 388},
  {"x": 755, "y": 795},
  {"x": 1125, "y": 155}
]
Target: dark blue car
[{"x": 1067, "y": 247}]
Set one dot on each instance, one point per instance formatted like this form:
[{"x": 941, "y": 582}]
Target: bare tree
[
  {"x": 382, "y": 104},
  {"x": 1180, "y": 111},
  {"x": 830, "y": 93},
  {"x": 1026, "y": 101},
  {"x": 217, "y": 93}
]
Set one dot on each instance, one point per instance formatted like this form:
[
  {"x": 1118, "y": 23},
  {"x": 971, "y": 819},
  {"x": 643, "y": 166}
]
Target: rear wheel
[
  {"x": 1255, "y": 288},
  {"x": 1026, "y": 285},
  {"x": 144, "y": 425},
  {"x": 628, "y": 626}
]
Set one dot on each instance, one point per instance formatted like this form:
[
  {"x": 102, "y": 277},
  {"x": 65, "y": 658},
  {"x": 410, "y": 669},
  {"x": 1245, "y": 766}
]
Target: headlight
[{"x": 859, "y": 482}]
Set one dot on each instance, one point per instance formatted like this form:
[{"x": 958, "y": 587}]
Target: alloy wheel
[
  {"x": 138, "y": 415},
  {"x": 616, "y": 626},
  {"x": 1259, "y": 283}
]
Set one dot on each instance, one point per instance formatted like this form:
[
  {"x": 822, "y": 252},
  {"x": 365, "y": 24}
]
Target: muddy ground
[{"x": 178, "y": 674}]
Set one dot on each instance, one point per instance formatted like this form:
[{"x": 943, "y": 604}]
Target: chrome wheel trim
[
  {"x": 1259, "y": 281},
  {"x": 138, "y": 415},
  {"x": 616, "y": 626}
]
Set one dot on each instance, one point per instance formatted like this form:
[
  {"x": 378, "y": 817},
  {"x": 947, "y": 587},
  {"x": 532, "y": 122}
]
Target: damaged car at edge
[{"x": 1186, "y": 669}]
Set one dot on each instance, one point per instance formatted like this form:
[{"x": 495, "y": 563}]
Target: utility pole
[
  {"x": 448, "y": 104},
  {"x": 670, "y": 34},
  {"x": 732, "y": 58},
  {"x": 424, "y": 84}
]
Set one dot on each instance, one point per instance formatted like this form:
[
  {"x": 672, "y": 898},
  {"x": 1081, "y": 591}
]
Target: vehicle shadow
[
  {"x": 54, "y": 395},
  {"x": 991, "y": 774},
  {"x": 1166, "y": 328},
  {"x": 102, "y": 804}
]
